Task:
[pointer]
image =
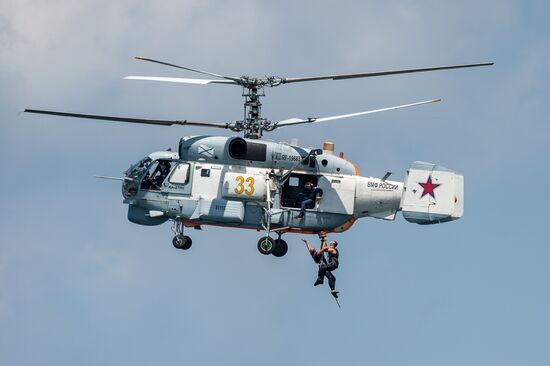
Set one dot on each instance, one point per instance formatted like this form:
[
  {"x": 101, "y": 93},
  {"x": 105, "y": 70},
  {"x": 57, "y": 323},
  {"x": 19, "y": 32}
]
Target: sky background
[{"x": 79, "y": 284}]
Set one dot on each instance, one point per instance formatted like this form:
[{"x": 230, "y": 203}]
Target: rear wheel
[
  {"x": 266, "y": 245},
  {"x": 188, "y": 243},
  {"x": 281, "y": 247}
]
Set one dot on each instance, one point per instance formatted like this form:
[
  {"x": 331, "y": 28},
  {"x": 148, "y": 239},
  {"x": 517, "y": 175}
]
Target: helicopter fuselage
[{"x": 236, "y": 182}]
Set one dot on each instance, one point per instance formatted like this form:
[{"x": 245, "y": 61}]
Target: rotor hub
[{"x": 253, "y": 124}]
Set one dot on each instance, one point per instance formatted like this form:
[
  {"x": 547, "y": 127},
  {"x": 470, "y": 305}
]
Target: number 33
[{"x": 241, "y": 188}]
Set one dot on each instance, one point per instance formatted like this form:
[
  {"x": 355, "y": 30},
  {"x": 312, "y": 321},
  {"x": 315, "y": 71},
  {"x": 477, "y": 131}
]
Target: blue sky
[{"x": 80, "y": 284}]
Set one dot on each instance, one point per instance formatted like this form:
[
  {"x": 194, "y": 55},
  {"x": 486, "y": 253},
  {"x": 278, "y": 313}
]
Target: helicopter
[{"x": 251, "y": 183}]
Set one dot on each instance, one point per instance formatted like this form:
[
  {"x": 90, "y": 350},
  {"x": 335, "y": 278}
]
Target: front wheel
[
  {"x": 266, "y": 245},
  {"x": 182, "y": 242}
]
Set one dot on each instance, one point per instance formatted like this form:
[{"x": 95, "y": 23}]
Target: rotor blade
[
  {"x": 131, "y": 120},
  {"x": 380, "y": 73},
  {"x": 188, "y": 68},
  {"x": 180, "y": 80},
  {"x": 297, "y": 121}
]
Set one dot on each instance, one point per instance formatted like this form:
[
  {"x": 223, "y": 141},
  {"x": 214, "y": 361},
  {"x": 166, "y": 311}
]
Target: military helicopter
[{"x": 246, "y": 182}]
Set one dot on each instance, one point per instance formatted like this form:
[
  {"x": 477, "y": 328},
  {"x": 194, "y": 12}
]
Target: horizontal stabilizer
[{"x": 433, "y": 194}]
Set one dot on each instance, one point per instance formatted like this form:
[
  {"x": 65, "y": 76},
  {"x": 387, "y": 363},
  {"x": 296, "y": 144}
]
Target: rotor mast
[
  {"x": 253, "y": 121},
  {"x": 253, "y": 124}
]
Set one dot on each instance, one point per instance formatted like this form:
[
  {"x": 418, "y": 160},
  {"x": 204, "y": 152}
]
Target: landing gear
[
  {"x": 267, "y": 245},
  {"x": 281, "y": 247},
  {"x": 180, "y": 241}
]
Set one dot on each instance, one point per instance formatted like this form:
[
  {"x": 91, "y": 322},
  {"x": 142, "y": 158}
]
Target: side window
[
  {"x": 180, "y": 174},
  {"x": 156, "y": 174}
]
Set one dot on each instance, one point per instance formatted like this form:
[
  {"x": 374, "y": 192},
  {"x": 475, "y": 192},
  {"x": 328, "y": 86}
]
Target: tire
[
  {"x": 188, "y": 243},
  {"x": 281, "y": 247},
  {"x": 182, "y": 242},
  {"x": 266, "y": 245}
]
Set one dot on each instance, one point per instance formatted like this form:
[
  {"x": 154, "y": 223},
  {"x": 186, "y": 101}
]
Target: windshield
[
  {"x": 134, "y": 175},
  {"x": 137, "y": 170}
]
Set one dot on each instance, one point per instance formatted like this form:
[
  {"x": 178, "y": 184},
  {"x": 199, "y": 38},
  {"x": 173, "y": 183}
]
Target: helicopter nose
[{"x": 129, "y": 188}]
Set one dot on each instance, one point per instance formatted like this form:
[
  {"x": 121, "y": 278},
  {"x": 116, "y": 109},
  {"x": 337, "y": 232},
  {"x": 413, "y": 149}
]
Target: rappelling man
[{"x": 326, "y": 266}]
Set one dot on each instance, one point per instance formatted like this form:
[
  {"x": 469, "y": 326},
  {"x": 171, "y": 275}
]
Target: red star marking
[{"x": 428, "y": 187}]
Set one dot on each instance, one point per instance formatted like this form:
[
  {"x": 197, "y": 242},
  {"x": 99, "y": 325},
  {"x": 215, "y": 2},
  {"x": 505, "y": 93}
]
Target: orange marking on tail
[{"x": 356, "y": 169}]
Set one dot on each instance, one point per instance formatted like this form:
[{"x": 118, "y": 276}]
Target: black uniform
[{"x": 326, "y": 268}]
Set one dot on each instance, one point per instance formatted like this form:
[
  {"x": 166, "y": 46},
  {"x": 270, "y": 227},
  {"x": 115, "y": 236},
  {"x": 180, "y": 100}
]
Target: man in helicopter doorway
[
  {"x": 308, "y": 198},
  {"x": 325, "y": 266}
]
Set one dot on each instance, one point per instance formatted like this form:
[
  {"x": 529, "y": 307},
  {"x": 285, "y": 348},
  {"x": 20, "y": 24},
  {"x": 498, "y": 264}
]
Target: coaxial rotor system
[{"x": 253, "y": 125}]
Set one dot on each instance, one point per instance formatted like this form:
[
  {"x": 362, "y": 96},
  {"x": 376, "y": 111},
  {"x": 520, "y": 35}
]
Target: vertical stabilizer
[{"x": 433, "y": 194}]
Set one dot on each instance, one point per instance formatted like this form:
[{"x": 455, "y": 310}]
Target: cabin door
[{"x": 338, "y": 194}]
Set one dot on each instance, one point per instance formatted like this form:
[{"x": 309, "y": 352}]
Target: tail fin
[{"x": 432, "y": 194}]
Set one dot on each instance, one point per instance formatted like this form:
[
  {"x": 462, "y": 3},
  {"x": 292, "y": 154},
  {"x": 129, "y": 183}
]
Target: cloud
[{"x": 78, "y": 282}]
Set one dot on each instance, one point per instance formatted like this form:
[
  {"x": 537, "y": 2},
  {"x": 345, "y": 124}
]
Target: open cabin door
[
  {"x": 338, "y": 192},
  {"x": 293, "y": 186}
]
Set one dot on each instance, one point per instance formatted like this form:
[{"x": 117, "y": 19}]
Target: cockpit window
[
  {"x": 137, "y": 170},
  {"x": 156, "y": 174},
  {"x": 133, "y": 176},
  {"x": 180, "y": 174}
]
